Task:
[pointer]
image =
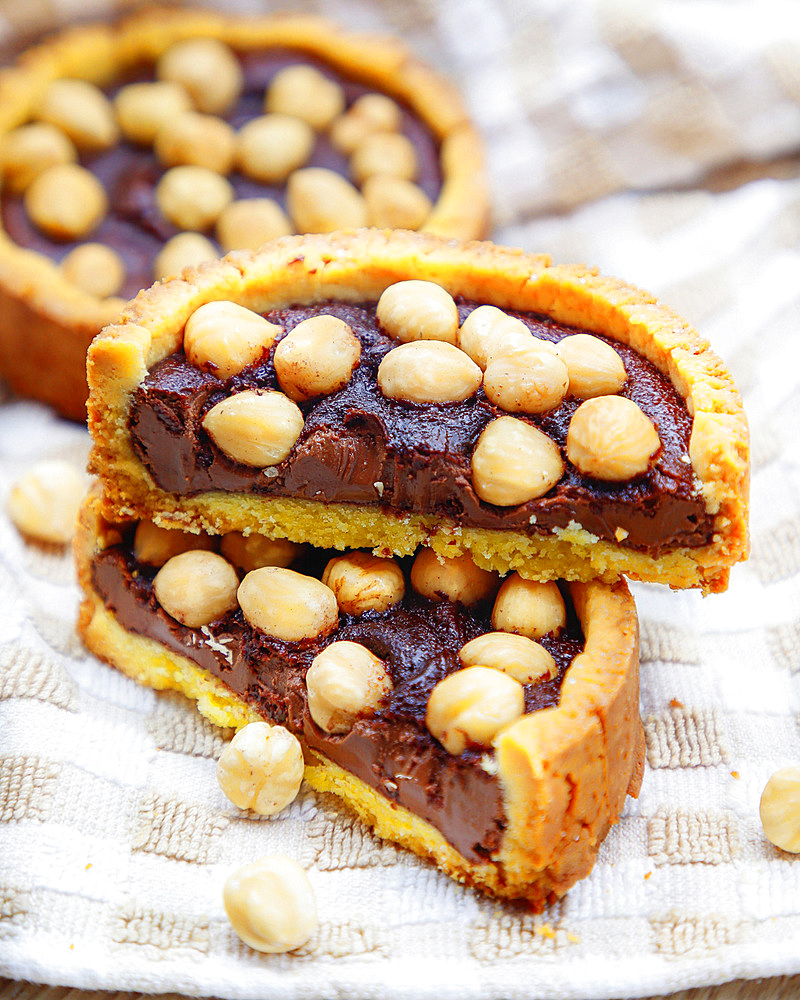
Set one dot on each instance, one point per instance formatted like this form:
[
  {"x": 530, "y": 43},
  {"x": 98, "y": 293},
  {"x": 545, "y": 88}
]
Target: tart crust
[
  {"x": 46, "y": 324},
  {"x": 357, "y": 267},
  {"x": 565, "y": 772}
]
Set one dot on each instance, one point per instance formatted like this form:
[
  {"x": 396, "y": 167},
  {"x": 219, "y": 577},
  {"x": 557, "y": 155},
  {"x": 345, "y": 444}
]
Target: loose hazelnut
[
  {"x": 428, "y": 371},
  {"x": 182, "y": 251},
  {"x": 316, "y": 358},
  {"x": 196, "y": 587},
  {"x": 193, "y": 197},
  {"x": 454, "y": 578},
  {"x": 304, "y": 92},
  {"x": 194, "y": 138},
  {"x": 287, "y": 605},
  {"x": 384, "y": 153},
  {"x": 82, "y": 110},
  {"x": 28, "y": 150},
  {"x": 66, "y": 201},
  {"x": 249, "y": 552},
  {"x": 418, "y": 310},
  {"x": 611, "y": 438},
  {"x": 207, "y": 69},
  {"x": 261, "y": 769},
  {"x": 470, "y": 707},
  {"x": 155, "y": 545},
  {"x": 345, "y": 681},
  {"x": 142, "y": 108},
  {"x": 529, "y": 608},
  {"x": 780, "y": 809},
  {"x": 595, "y": 368},
  {"x": 514, "y": 462},
  {"x": 364, "y": 582},
  {"x": 224, "y": 338},
  {"x": 526, "y": 380},
  {"x": 95, "y": 268},
  {"x": 320, "y": 201},
  {"x": 44, "y": 501},
  {"x": 255, "y": 428},
  {"x": 247, "y": 223},
  {"x": 488, "y": 330},
  {"x": 394, "y": 203},
  {"x": 516, "y": 655},
  {"x": 271, "y": 904},
  {"x": 270, "y": 147}
]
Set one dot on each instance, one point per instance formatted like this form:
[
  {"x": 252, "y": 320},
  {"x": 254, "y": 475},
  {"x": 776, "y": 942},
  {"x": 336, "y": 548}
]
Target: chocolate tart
[
  {"x": 387, "y": 474},
  {"x": 520, "y": 818},
  {"x": 46, "y": 322}
]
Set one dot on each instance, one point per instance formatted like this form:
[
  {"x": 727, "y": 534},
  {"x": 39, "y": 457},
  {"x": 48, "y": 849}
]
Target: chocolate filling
[
  {"x": 358, "y": 447},
  {"x": 392, "y": 751}
]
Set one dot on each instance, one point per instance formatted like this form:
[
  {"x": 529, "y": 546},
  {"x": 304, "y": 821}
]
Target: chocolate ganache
[
  {"x": 359, "y": 447},
  {"x": 392, "y": 750}
]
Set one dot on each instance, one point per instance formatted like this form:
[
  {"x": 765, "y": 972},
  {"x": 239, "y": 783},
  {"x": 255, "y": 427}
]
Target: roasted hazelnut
[
  {"x": 261, "y": 769},
  {"x": 95, "y": 268},
  {"x": 28, "y": 150},
  {"x": 488, "y": 330},
  {"x": 418, "y": 310},
  {"x": 316, "y": 358},
  {"x": 595, "y": 368},
  {"x": 193, "y": 197},
  {"x": 207, "y": 69},
  {"x": 181, "y": 251},
  {"x": 287, "y": 605},
  {"x": 367, "y": 114},
  {"x": 320, "y": 201},
  {"x": 252, "y": 551},
  {"x": 142, "y": 108},
  {"x": 224, "y": 337},
  {"x": 611, "y": 438},
  {"x": 780, "y": 809},
  {"x": 364, "y": 582},
  {"x": 394, "y": 203},
  {"x": 192, "y": 138},
  {"x": 66, "y": 201},
  {"x": 516, "y": 655},
  {"x": 453, "y": 578},
  {"x": 44, "y": 501},
  {"x": 384, "y": 153},
  {"x": 196, "y": 587},
  {"x": 256, "y": 428},
  {"x": 470, "y": 707},
  {"x": 155, "y": 545},
  {"x": 529, "y": 607},
  {"x": 428, "y": 371},
  {"x": 247, "y": 223},
  {"x": 526, "y": 380},
  {"x": 270, "y": 147},
  {"x": 304, "y": 92},
  {"x": 82, "y": 111},
  {"x": 345, "y": 681},
  {"x": 514, "y": 462}
]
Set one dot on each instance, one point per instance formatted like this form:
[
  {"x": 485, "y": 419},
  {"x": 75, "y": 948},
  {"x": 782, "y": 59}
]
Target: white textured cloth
[{"x": 602, "y": 121}]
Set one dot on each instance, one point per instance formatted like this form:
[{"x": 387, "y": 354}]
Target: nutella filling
[
  {"x": 392, "y": 750},
  {"x": 359, "y": 447}
]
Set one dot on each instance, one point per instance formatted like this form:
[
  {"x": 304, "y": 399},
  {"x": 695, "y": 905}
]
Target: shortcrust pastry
[
  {"x": 386, "y": 390},
  {"x": 130, "y": 151},
  {"x": 509, "y": 783}
]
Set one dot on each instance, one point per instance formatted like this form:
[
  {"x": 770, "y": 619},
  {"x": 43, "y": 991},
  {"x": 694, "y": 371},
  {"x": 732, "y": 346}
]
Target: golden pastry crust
[
  {"x": 565, "y": 771},
  {"x": 357, "y": 267},
  {"x": 46, "y": 324}
]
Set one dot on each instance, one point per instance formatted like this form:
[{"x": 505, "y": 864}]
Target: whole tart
[
  {"x": 568, "y": 426},
  {"x": 518, "y": 811},
  {"x": 50, "y": 310}
]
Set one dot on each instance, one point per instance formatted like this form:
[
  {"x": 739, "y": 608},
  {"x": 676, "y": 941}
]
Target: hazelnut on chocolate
[
  {"x": 142, "y": 108},
  {"x": 196, "y": 587},
  {"x": 66, "y": 201},
  {"x": 611, "y": 438},
  {"x": 207, "y": 69},
  {"x": 29, "y": 149},
  {"x": 514, "y": 462},
  {"x": 529, "y": 607},
  {"x": 248, "y": 222},
  {"x": 270, "y": 147},
  {"x": 287, "y": 605},
  {"x": 193, "y": 197},
  {"x": 304, "y": 92},
  {"x": 595, "y": 368},
  {"x": 196, "y": 139},
  {"x": 525, "y": 379},
  {"x": 223, "y": 337},
  {"x": 363, "y": 582},
  {"x": 257, "y": 428},
  {"x": 470, "y": 707},
  {"x": 344, "y": 682},
  {"x": 452, "y": 578},
  {"x": 95, "y": 268},
  {"x": 516, "y": 655},
  {"x": 181, "y": 251},
  {"x": 418, "y": 310},
  {"x": 316, "y": 358},
  {"x": 428, "y": 371},
  {"x": 320, "y": 201},
  {"x": 82, "y": 111}
]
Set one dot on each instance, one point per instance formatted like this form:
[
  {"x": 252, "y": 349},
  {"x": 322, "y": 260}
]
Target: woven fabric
[{"x": 602, "y": 120}]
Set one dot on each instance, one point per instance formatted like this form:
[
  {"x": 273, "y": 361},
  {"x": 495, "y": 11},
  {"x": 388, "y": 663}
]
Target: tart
[
  {"x": 127, "y": 150},
  {"x": 386, "y": 390},
  {"x": 508, "y": 782}
]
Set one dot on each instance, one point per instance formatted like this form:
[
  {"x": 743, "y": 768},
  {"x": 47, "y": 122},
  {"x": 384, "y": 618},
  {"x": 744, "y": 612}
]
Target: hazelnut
[
  {"x": 82, "y": 110},
  {"x": 44, "y": 501},
  {"x": 247, "y": 223},
  {"x": 780, "y": 809},
  {"x": 488, "y": 330},
  {"x": 256, "y": 428},
  {"x": 418, "y": 310},
  {"x": 470, "y": 707},
  {"x": 207, "y": 69},
  {"x": 320, "y": 201},
  {"x": 529, "y": 607},
  {"x": 66, "y": 201},
  {"x": 394, "y": 203},
  {"x": 428, "y": 371},
  {"x": 261, "y": 769},
  {"x": 182, "y": 251},
  {"x": 252, "y": 551},
  {"x": 454, "y": 578},
  {"x": 364, "y": 582},
  {"x": 155, "y": 545},
  {"x": 595, "y": 368},
  {"x": 193, "y": 197},
  {"x": 95, "y": 268},
  {"x": 516, "y": 655},
  {"x": 316, "y": 358},
  {"x": 271, "y": 904},
  {"x": 611, "y": 438},
  {"x": 270, "y": 147},
  {"x": 142, "y": 108},
  {"x": 287, "y": 605},
  {"x": 526, "y": 380},
  {"x": 224, "y": 338},
  {"x": 196, "y": 587},
  {"x": 367, "y": 114},
  {"x": 514, "y": 462},
  {"x": 304, "y": 92},
  {"x": 345, "y": 681},
  {"x": 194, "y": 138},
  {"x": 384, "y": 153},
  {"x": 28, "y": 150}
]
